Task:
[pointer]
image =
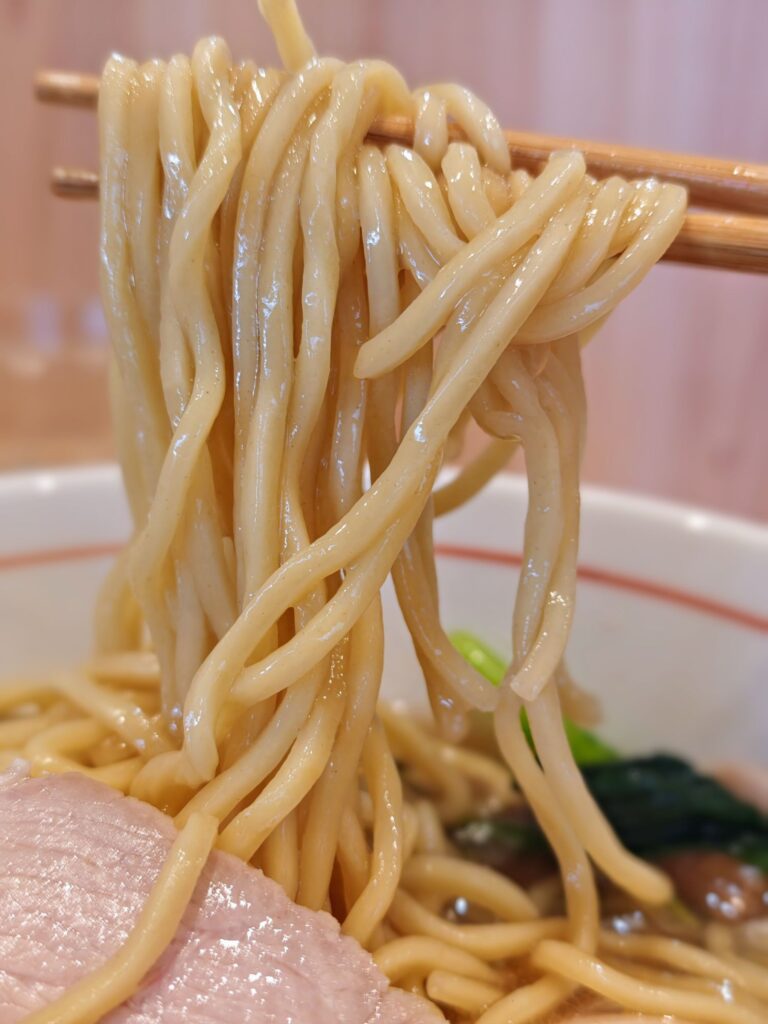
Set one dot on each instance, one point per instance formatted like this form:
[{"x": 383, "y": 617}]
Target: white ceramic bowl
[{"x": 671, "y": 628}]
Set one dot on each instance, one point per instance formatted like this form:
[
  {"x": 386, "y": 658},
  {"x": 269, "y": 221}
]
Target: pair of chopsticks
[{"x": 733, "y": 235}]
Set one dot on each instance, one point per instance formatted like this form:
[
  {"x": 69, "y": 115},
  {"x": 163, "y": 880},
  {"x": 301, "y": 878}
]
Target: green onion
[{"x": 586, "y": 747}]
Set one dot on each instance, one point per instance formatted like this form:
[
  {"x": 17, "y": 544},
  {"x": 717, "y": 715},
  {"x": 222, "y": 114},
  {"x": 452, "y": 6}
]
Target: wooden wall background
[{"x": 679, "y": 379}]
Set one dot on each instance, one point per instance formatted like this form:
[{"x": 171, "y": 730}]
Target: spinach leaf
[{"x": 656, "y": 805}]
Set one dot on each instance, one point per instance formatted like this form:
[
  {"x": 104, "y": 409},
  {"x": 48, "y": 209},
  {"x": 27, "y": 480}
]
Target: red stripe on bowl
[
  {"x": 52, "y": 556},
  {"x": 603, "y": 577},
  {"x": 618, "y": 581}
]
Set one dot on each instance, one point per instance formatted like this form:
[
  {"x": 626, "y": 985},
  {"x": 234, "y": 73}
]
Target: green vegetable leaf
[
  {"x": 586, "y": 746},
  {"x": 662, "y": 803},
  {"x": 480, "y": 656},
  {"x": 656, "y": 805}
]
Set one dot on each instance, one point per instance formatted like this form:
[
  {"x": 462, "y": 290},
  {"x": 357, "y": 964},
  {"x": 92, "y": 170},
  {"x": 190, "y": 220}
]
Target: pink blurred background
[{"x": 677, "y": 380}]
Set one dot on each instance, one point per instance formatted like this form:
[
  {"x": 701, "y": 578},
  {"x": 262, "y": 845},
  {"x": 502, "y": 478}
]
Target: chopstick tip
[
  {"x": 67, "y": 88},
  {"x": 74, "y": 183}
]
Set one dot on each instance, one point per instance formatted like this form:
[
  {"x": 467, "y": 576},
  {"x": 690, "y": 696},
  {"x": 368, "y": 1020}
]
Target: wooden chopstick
[
  {"x": 710, "y": 181},
  {"x": 67, "y": 88},
  {"x": 722, "y": 240},
  {"x": 727, "y": 241},
  {"x": 727, "y": 184},
  {"x": 74, "y": 183}
]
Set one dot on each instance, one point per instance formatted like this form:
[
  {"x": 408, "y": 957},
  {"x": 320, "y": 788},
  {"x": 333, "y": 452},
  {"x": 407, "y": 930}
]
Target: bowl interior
[{"x": 671, "y": 627}]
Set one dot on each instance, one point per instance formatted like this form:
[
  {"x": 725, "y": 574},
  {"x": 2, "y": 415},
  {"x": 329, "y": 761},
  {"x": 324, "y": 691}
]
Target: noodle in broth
[{"x": 303, "y": 323}]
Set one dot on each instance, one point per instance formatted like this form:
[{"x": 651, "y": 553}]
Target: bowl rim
[
  {"x": 87, "y": 520},
  {"x": 37, "y": 481}
]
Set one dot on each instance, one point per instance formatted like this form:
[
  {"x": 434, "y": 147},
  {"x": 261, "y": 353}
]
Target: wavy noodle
[
  {"x": 293, "y": 307},
  {"x": 96, "y": 994}
]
